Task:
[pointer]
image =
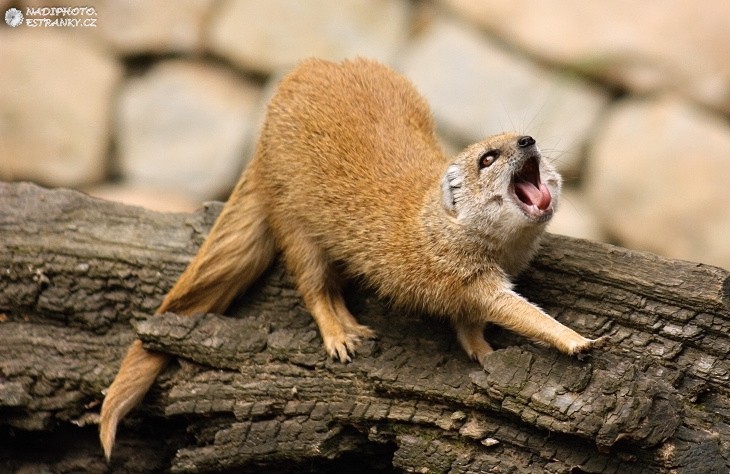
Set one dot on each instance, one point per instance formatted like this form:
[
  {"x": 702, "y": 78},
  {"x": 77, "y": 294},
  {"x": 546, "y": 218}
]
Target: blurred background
[{"x": 158, "y": 103}]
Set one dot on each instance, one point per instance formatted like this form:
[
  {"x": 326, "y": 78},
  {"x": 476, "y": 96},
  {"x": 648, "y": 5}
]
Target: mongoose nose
[{"x": 524, "y": 142}]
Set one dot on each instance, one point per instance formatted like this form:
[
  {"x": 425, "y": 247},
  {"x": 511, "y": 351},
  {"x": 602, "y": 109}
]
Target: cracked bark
[{"x": 254, "y": 389}]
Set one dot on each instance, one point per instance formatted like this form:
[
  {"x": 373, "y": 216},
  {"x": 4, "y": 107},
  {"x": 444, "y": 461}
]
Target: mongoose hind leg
[
  {"x": 340, "y": 331},
  {"x": 348, "y": 320},
  {"x": 318, "y": 284},
  {"x": 471, "y": 338}
]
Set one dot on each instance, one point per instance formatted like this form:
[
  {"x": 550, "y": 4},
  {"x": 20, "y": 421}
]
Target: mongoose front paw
[
  {"x": 343, "y": 346},
  {"x": 338, "y": 351},
  {"x": 361, "y": 331},
  {"x": 600, "y": 342},
  {"x": 590, "y": 344}
]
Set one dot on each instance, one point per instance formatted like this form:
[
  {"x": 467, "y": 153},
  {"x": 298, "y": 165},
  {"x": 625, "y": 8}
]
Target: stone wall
[{"x": 158, "y": 103}]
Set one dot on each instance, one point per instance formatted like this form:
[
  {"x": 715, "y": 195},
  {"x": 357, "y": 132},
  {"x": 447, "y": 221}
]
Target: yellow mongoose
[{"x": 348, "y": 170}]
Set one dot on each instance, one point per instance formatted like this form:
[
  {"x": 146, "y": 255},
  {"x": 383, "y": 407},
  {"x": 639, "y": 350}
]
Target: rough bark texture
[{"x": 254, "y": 390}]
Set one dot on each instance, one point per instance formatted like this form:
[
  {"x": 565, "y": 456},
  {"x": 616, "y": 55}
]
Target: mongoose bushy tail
[{"x": 237, "y": 250}]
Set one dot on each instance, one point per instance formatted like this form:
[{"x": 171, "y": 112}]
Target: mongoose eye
[{"x": 487, "y": 158}]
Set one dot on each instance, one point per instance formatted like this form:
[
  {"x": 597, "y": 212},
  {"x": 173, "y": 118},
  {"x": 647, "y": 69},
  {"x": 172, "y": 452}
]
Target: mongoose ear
[{"x": 451, "y": 192}]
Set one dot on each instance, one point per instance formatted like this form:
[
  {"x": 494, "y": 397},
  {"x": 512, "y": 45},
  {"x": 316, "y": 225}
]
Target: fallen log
[{"x": 255, "y": 391}]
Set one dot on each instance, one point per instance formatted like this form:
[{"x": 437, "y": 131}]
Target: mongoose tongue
[{"x": 530, "y": 194}]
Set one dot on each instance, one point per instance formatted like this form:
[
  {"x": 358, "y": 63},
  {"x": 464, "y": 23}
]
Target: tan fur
[{"x": 348, "y": 174}]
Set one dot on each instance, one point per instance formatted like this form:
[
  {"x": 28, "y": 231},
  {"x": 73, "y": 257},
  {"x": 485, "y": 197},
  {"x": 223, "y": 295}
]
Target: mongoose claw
[
  {"x": 341, "y": 353},
  {"x": 343, "y": 348},
  {"x": 600, "y": 342},
  {"x": 597, "y": 343}
]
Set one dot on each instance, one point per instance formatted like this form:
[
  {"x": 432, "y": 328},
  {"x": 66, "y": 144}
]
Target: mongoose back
[{"x": 348, "y": 176}]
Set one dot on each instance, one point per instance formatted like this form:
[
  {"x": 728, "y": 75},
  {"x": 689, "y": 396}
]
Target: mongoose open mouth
[{"x": 532, "y": 195}]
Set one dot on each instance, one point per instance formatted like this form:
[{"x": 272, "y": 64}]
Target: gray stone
[
  {"x": 56, "y": 93},
  {"x": 640, "y": 45},
  {"x": 162, "y": 26},
  {"x": 659, "y": 175},
  {"x": 477, "y": 89},
  {"x": 185, "y": 126},
  {"x": 266, "y": 36}
]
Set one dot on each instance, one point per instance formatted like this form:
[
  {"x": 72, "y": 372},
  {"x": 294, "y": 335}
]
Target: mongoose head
[{"x": 501, "y": 184}]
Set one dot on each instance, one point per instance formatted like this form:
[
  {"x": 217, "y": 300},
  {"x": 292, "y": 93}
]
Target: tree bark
[{"x": 254, "y": 390}]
